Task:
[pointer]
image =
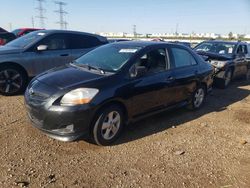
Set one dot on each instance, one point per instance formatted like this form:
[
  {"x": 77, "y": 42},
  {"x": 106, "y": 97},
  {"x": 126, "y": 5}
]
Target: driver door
[
  {"x": 147, "y": 89},
  {"x": 241, "y": 61}
]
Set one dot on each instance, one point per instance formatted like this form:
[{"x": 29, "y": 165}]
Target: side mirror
[
  {"x": 42, "y": 47},
  {"x": 137, "y": 71}
]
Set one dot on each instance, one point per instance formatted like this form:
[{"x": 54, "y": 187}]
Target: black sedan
[
  {"x": 230, "y": 59},
  {"x": 113, "y": 85}
]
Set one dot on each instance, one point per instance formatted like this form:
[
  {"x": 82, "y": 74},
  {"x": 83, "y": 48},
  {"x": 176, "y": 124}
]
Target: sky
[{"x": 149, "y": 16}]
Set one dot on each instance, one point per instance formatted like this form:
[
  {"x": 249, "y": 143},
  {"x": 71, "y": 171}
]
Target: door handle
[
  {"x": 64, "y": 55},
  {"x": 170, "y": 79}
]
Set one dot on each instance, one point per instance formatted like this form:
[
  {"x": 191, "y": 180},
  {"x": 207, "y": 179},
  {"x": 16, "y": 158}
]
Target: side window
[
  {"x": 81, "y": 41},
  {"x": 242, "y": 49},
  {"x": 182, "y": 58},
  {"x": 154, "y": 61},
  {"x": 55, "y": 42}
]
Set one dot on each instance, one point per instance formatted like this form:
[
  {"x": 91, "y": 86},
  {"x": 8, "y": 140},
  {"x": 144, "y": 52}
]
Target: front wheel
[
  {"x": 224, "y": 82},
  {"x": 108, "y": 125},
  {"x": 12, "y": 80},
  {"x": 198, "y": 98},
  {"x": 248, "y": 75}
]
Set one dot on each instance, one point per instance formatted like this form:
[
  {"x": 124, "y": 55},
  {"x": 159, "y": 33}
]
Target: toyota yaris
[{"x": 113, "y": 85}]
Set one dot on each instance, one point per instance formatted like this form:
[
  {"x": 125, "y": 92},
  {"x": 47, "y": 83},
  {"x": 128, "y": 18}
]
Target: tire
[
  {"x": 13, "y": 80},
  {"x": 198, "y": 98},
  {"x": 223, "y": 83},
  {"x": 248, "y": 75},
  {"x": 108, "y": 125}
]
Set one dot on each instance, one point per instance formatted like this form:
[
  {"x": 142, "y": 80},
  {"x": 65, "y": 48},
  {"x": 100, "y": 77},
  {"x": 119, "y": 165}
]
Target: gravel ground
[{"x": 205, "y": 148}]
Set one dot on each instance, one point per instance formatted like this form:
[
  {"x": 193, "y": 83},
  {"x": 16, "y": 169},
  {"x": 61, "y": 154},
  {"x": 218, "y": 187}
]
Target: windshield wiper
[{"x": 89, "y": 67}]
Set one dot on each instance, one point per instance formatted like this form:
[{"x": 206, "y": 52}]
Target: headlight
[
  {"x": 218, "y": 64},
  {"x": 79, "y": 96}
]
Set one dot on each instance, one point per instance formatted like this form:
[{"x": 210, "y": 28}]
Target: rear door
[
  {"x": 57, "y": 54},
  {"x": 80, "y": 44},
  {"x": 186, "y": 71}
]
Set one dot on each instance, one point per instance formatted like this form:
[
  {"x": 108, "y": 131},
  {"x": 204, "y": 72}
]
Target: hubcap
[
  {"x": 10, "y": 81},
  {"x": 228, "y": 78},
  {"x": 199, "y": 97},
  {"x": 111, "y": 125}
]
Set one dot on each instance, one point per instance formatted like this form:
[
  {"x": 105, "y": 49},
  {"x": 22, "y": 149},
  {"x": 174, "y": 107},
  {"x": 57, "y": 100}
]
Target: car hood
[
  {"x": 68, "y": 77},
  {"x": 4, "y": 50},
  {"x": 215, "y": 56}
]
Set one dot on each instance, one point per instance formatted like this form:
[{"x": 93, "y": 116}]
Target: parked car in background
[
  {"x": 113, "y": 85},
  {"x": 2, "y": 30},
  {"x": 6, "y": 37},
  {"x": 230, "y": 59},
  {"x": 23, "y": 31},
  {"x": 117, "y": 40},
  {"x": 39, "y": 51}
]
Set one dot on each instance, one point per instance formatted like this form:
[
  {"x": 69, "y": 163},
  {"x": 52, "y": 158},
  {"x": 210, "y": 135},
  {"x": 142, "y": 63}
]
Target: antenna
[
  {"x": 41, "y": 12},
  {"x": 61, "y": 12}
]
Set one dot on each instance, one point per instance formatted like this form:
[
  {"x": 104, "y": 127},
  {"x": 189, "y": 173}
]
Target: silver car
[{"x": 39, "y": 51}]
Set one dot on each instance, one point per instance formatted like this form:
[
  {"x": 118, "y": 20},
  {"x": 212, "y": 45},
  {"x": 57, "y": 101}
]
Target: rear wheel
[
  {"x": 12, "y": 80},
  {"x": 108, "y": 125},
  {"x": 198, "y": 98}
]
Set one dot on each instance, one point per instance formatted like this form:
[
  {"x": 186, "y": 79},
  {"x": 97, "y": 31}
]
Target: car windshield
[
  {"x": 218, "y": 48},
  {"x": 25, "y": 40},
  {"x": 109, "y": 58}
]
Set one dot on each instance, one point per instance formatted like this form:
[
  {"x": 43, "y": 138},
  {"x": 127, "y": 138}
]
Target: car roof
[
  {"x": 54, "y": 31},
  {"x": 140, "y": 43},
  {"x": 28, "y": 28},
  {"x": 226, "y": 42}
]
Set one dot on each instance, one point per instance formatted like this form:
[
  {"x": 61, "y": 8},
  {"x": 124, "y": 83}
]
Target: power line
[
  {"x": 41, "y": 12},
  {"x": 61, "y": 12}
]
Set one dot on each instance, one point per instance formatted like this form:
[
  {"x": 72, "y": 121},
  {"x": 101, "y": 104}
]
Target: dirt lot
[{"x": 206, "y": 148}]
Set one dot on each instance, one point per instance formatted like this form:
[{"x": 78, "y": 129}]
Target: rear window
[
  {"x": 182, "y": 58},
  {"x": 84, "y": 41}
]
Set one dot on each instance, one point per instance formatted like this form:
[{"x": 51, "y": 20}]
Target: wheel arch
[
  {"x": 13, "y": 64},
  {"x": 114, "y": 102},
  {"x": 107, "y": 104}
]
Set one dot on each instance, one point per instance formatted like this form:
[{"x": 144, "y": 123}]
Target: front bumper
[
  {"x": 219, "y": 73},
  {"x": 54, "y": 120}
]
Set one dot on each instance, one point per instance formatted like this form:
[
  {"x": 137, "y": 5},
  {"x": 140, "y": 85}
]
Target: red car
[
  {"x": 23, "y": 31},
  {"x": 6, "y": 37}
]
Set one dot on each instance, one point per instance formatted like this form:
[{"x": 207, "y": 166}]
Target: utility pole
[
  {"x": 41, "y": 12},
  {"x": 10, "y": 26},
  {"x": 134, "y": 31},
  {"x": 176, "y": 29},
  {"x": 61, "y": 12},
  {"x": 32, "y": 22}
]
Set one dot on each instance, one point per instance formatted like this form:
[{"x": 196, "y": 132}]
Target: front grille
[{"x": 39, "y": 92}]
